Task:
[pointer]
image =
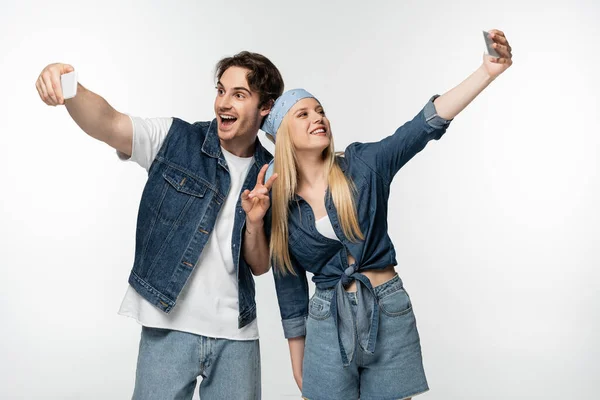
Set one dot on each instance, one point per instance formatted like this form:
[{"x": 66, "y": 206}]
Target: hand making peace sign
[{"x": 256, "y": 202}]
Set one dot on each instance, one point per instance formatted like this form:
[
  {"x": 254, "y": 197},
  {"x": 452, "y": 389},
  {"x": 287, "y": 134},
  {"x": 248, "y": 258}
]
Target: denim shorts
[
  {"x": 394, "y": 371},
  {"x": 170, "y": 363}
]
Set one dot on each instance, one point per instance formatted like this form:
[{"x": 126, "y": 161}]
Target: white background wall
[{"x": 496, "y": 225}]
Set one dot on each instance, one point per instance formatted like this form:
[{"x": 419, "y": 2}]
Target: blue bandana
[
  {"x": 278, "y": 112},
  {"x": 281, "y": 107}
]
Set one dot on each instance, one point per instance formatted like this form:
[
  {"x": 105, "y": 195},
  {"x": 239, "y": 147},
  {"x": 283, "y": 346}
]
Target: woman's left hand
[
  {"x": 256, "y": 202},
  {"x": 497, "y": 65}
]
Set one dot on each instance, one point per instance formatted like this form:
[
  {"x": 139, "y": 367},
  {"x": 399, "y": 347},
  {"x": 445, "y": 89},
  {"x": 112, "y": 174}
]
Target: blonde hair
[{"x": 284, "y": 188}]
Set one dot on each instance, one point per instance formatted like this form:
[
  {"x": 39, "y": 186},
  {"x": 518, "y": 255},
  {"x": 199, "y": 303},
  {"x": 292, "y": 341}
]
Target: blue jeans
[
  {"x": 169, "y": 363},
  {"x": 394, "y": 371}
]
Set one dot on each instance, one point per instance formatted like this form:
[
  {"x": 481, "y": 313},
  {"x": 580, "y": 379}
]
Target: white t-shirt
[
  {"x": 208, "y": 304},
  {"x": 324, "y": 227}
]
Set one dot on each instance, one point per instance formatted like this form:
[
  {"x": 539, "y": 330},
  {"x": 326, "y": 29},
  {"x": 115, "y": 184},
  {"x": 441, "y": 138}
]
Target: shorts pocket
[
  {"x": 319, "y": 308},
  {"x": 396, "y": 303}
]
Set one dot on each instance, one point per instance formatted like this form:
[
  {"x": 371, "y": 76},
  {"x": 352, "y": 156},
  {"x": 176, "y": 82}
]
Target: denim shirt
[
  {"x": 187, "y": 184},
  {"x": 371, "y": 166}
]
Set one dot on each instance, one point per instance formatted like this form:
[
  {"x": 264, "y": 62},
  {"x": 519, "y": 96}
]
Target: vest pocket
[
  {"x": 184, "y": 183},
  {"x": 178, "y": 193}
]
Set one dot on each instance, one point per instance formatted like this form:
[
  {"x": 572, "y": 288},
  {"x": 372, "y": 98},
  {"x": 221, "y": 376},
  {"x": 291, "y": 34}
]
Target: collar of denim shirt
[{"x": 212, "y": 146}]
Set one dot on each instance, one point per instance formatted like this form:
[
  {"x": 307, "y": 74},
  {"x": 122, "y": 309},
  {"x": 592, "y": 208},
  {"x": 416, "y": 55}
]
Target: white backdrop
[{"x": 496, "y": 225}]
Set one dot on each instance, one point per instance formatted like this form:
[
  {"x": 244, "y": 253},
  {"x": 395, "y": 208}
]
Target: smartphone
[
  {"x": 68, "y": 83},
  {"x": 488, "y": 44}
]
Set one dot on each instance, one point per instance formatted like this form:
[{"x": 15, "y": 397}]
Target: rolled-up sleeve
[
  {"x": 292, "y": 295},
  {"x": 390, "y": 154}
]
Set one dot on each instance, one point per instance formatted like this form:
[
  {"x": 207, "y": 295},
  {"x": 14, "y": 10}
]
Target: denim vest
[
  {"x": 188, "y": 183},
  {"x": 371, "y": 167}
]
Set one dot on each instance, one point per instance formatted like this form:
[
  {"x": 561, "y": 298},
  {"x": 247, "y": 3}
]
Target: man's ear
[{"x": 266, "y": 109}]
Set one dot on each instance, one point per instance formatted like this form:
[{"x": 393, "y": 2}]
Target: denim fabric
[
  {"x": 169, "y": 363},
  {"x": 393, "y": 371},
  {"x": 186, "y": 187},
  {"x": 371, "y": 167}
]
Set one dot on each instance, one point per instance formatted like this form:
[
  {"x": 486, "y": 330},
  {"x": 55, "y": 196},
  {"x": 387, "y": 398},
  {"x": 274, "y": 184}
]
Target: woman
[{"x": 357, "y": 336}]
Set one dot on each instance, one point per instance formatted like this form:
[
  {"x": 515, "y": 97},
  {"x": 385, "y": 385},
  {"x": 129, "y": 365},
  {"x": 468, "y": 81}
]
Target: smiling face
[
  {"x": 309, "y": 128},
  {"x": 237, "y": 107}
]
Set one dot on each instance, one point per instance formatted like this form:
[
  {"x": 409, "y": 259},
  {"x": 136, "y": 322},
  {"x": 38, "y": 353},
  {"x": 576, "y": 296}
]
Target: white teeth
[
  {"x": 318, "y": 131},
  {"x": 227, "y": 117}
]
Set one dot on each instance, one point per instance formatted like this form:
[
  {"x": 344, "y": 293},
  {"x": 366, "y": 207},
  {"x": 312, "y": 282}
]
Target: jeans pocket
[
  {"x": 319, "y": 308},
  {"x": 396, "y": 303}
]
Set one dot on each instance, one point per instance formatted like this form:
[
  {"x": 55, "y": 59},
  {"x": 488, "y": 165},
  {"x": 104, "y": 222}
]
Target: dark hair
[{"x": 263, "y": 78}]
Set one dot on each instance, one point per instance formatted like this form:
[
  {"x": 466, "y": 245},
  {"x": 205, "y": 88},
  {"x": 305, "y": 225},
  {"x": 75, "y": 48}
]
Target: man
[{"x": 199, "y": 236}]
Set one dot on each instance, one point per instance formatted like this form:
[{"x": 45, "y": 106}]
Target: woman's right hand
[
  {"x": 297, "y": 356},
  {"x": 48, "y": 83},
  {"x": 298, "y": 379}
]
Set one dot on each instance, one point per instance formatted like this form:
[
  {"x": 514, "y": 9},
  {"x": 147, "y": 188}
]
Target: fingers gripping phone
[{"x": 488, "y": 44}]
